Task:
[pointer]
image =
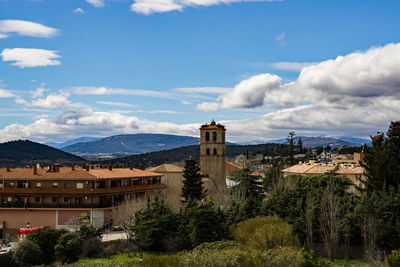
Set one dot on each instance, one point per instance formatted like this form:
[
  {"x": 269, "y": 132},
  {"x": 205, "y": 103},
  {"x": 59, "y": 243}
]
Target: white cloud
[
  {"x": 291, "y": 66},
  {"x": 161, "y": 6},
  {"x": 249, "y": 93},
  {"x": 117, "y": 104},
  {"x": 78, "y": 11},
  {"x": 90, "y": 90},
  {"x": 74, "y": 123},
  {"x": 30, "y": 57},
  {"x": 3, "y": 36},
  {"x": 280, "y": 39},
  {"x": 183, "y": 102},
  {"x": 204, "y": 90},
  {"x": 38, "y": 92},
  {"x": 26, "y": 28},
  {"x": 96, "y": 3},
  {"x": 50, "y": 101},
  {"x": 5, "y": 93}
]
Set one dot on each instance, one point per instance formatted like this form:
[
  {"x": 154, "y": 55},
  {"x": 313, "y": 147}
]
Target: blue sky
[{"x": 97, "y": 68}]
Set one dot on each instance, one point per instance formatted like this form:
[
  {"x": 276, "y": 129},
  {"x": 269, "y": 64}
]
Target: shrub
[
  {"x": 217, "y": 245},
  {"x": 282, "y": 257},
  {"x": 6, "y": 259},
  {"x": 263, "y": 233},
  {"x": 28, "y": 253},
  {"x": 68, "y": 248},
  {"x": 310, "y": 261},
  {"x": 91, "y": 247},
  {"x": 89, "y": 232},
  {"x": 393, "y": 259},
  {"x": 46, "y": 239}
]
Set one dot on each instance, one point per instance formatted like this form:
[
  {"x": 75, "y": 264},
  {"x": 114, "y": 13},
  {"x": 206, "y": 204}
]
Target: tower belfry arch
[{"x": 212, "y": 154}]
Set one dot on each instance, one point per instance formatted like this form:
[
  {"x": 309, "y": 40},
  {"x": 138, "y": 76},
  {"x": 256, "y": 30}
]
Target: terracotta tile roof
[
  {"x": 230, "y": 168},
  {"x": 317, "y": 169},
  {"x": 78, "y": 173},
  {"x": 165, "y": 168}
]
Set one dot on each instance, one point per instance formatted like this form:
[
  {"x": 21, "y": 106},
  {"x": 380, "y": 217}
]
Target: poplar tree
[{"x": 193, "y": 188}]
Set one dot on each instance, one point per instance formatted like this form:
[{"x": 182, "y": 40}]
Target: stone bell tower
[{"x": 212, "y": 155}]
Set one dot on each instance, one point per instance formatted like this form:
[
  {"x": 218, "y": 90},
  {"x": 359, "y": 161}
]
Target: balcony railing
[
  {"x": 84, "y": 191},
  {"x": 55, "y": 205}
]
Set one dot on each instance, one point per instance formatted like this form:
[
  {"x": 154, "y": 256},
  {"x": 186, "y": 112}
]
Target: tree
[
  {"x": 86, "y": 232},
  {"x": 300, "y": 145},
  {"x": 249, "y": 186},
  {"x": 68, "y": 248},
  {"x": 193, "y": 187},
  {"x": 46, "y": 239},
  {"x": 206, "y": 224},
  {"x": 290, "y": 140},
  {"x": 28, "y": 253}
]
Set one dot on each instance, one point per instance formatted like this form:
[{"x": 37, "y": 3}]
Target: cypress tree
[{"x": 193, "y": 188}]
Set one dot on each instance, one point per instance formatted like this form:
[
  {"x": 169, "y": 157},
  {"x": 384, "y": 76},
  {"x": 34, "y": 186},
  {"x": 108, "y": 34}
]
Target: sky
[{"x": 74, "y": 68}]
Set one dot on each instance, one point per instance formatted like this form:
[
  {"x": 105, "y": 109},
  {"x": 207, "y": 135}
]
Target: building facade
[
  {"x": 212, "y": 155},
  {"x": 59, "y": 196}
]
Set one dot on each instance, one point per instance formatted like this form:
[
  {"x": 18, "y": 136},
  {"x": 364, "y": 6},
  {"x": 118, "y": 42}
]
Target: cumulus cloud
[
  {"x": 78, "y": 11},
  {"x": 249, "y": 93},
  {"x": 52, "y": 100},
  {"x": 78, "y": 122},
  {"x": 96, "y": 3},
  {"x": 161, "y": 6},
  {"x": 26, "y": 28},
  {"x": 30, "y": 57}
]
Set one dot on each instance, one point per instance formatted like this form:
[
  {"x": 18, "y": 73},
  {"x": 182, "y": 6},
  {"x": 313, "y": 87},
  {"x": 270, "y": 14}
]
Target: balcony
[
  {"x": 55, "y": 205},
  {"x": 85, "y": 191}
]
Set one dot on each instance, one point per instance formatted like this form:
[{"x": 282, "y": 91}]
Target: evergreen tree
[
  {"x": 249, "y": 186},
  {"x": 290, "y": 140},
  {"x": 193, "y": 188},
  {"x": 392, "y": 148},
  {"x": 300, "y": 145}
]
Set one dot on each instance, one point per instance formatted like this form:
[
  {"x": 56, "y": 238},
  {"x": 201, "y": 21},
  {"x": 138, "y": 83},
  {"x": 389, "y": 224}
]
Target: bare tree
[
  {"x": 329, "y": 218},
  {"x": 369, "y": 230}
]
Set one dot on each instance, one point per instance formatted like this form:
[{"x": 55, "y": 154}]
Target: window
[
  {"x": 65, "y": 185},
  {"x": 38, "y": 185},
  {"x": 215, "y": 151},
  {"x": 208, "y": 151},
  {"x": 37, "y": 199},
  {"x": 1, "y": 185},
  {"x": 214, "y": 136},
  {"x": 79, "y": 185},
  {"x": 79, "y": 200},
  {"x": 12, "y": 184},
  {"x": 9, "y": 199},
  {"x": 55, "y": 185},
  {"x": 54, "y": 199},
  {"x": 66, "y": 199},
  {"x": 207, "y": 136}
]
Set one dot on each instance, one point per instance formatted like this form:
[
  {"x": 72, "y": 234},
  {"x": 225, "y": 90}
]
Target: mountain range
[{"x": 25, "y": 152}]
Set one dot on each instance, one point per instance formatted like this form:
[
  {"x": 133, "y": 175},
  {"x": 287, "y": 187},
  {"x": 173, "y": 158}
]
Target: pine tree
[
  {"x": 290, "y": 139},
  {"x": 300, "y": 145},
  {"x": 193, "y": 188},
  {"x": 392, "y": 148}
]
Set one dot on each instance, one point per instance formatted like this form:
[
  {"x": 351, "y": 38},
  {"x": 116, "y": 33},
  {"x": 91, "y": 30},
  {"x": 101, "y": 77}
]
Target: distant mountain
[
  {"x": 325, "y": 141},
  {"x": 181, "y": 153},
  {"x": 73, "y": 141},
  {"x": 354, "y": 140},
  {"x": 131, "y": 144},
  {"x": 24, "y": 152}
]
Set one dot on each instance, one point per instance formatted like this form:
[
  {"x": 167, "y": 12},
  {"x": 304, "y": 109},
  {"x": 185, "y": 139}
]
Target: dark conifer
[{"x": 193, "y": 188}]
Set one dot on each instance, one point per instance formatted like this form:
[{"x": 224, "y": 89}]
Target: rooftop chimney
[
  {"x": 110, "y": 168},
  {"x": 56, "y": 167},
  {"x": 73, "y": 167},
  {"x": 87, "y": 168},
  {"x": 35, "y": 170},
  {"x": 8, "y": 168}
]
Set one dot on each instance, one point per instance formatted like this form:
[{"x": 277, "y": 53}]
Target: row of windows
[
  {"x": 39, "y": 185},
  {"x": 53, "y": 199},
  {"x": 214, "y": 136},
  {"x": 208, "y": 151}
]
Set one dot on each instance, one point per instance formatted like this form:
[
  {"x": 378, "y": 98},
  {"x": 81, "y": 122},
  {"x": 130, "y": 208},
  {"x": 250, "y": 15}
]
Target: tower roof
[{"x": 212, "y": 125}]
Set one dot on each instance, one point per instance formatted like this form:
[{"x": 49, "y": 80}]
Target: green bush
[
  {"x": 68, "y": 248},
  {"x": 217, "y": 245},
  {"x": 28, "y": 253},
  {"x": 264, "y": 233},
  {"x": 310, "y": 261},
  {"x": 282, "y": 257},
  {"x": 393, "y": 259}
]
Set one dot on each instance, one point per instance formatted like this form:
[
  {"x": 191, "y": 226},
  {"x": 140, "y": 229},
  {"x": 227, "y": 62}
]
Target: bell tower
[{"x": 212, "y": 154}]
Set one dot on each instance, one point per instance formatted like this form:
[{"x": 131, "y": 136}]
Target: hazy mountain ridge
[
  {"x": 132, "y": 144},
  {"x": 325, "y": 141},
  {"x": 25, "y": 152},
  {"x": 85, "y": 139}
]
